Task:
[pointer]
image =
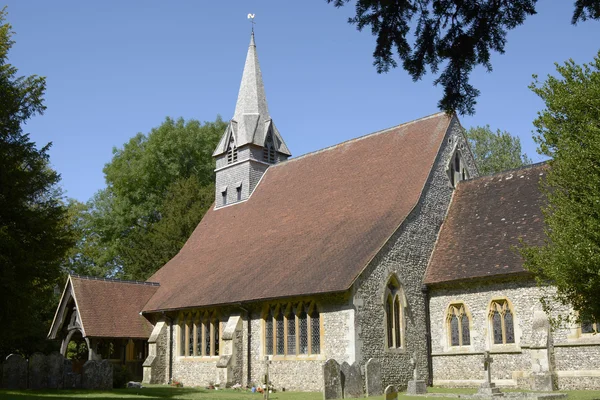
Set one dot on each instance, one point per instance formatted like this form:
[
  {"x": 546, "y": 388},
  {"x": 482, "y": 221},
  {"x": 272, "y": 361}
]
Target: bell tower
[{"x": 251, "y": 142}]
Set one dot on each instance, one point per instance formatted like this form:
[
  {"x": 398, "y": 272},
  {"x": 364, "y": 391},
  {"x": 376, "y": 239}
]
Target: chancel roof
[
  {"x": 487, "y": 218},
  {"x": 311, "y": 225}
]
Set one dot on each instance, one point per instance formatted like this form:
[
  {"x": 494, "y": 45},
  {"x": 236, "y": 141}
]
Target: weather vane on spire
[{"x": 251, "y": 18}]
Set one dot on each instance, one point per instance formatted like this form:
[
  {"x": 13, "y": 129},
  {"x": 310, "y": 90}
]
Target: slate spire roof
[{"x": 251, "y": 120}]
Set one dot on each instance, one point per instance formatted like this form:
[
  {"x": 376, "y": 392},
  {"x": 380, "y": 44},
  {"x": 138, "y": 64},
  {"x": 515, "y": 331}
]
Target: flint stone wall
[
  {"x": 574, "y": 360},
  {"x": 406, "y": 255}
]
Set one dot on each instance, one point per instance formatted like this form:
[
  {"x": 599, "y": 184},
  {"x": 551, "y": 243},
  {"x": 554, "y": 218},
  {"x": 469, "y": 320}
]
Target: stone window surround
[
  {"x": 401, "y": 297},
  {"x": 188, "y": 324},
  {"x": 287, "y": 309},
  {"x": 576, "y": 336},
  {"x": 502, "y": 347},
  {"x": 450, "y": 168},
  {"x": 460, "y": 348}
]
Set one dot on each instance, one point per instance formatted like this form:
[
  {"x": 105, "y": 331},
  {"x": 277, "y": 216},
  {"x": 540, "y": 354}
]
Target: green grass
[{"x": 167, "y": 392}]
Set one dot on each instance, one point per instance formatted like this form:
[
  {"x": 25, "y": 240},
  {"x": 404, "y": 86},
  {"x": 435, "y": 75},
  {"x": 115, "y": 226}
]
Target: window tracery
[
  {"x": 292, "y": 329},
  {"x": 394, "y": 310},
  {"x": 458, "y": 325},
  {"x": 199, "y": 334},
  {"x": 502, "y": 322}
]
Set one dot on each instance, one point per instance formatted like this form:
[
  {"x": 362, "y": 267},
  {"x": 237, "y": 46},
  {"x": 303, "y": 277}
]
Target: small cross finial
[{"x": 251, "y": 18}]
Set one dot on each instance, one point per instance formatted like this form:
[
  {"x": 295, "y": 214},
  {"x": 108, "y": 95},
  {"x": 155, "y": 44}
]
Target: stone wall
[
  {"x": 156, "y": 365},
  {"x": 574, "y": 359},
  {"x": 406, "y": 255}
]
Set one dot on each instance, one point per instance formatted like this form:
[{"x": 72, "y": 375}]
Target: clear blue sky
[{"x": 115, "y": 68}]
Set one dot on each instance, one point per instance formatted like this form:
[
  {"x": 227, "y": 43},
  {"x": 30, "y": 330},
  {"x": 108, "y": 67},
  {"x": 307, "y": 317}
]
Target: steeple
[{"x": 251, "y": 141}]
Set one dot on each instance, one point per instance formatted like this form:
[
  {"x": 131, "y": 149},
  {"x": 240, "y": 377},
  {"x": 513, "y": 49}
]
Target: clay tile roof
[
  {"x": 311, "y": 226},
  {"x": 487, "y": 217},
  {"x": 111, "y": 308}
]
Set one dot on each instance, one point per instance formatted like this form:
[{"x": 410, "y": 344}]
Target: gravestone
[
  {"x": 391, "y": 393},
  {"x": 416, "y": 385},
  {"x": 352, "y": 385},
  {"x": 97, "y": 375},
  {"x": 541, "y": 378},
  {"x": 14, "y": 372},
  {"x": 373, "y": 378},
  {"x": 488, "y": 388},
  {"x": 38, "y": 371},
  {"x": 56, "y": 367},
  {"x": 106, "y": 375},
  {"x": 71, "y": 380},
  {"x": 332, "y": 381}
]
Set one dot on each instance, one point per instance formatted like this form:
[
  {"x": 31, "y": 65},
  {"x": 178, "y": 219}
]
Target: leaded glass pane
[
  {"x": 509, "y": 327},
  {"x": 182, "y": 340},
  {"x": 466, "y": 334},
  {"x": 217, "y": 331},
  {"x": 269, "y": 334},
  {"x": 291, "y": 334},
  {"x": 315, "y": 332},
  {"x": 303, "y": 334},
  {"x": 190, "y": 339},
  {"x": 199, "y": 339},
  {"x": 206, "y": 339},
  {"x": 587, "y": 327},
  {"x": 397, "y": 322},
  {"x": 454, "y": 338},
  {"x": 279, "y": 333},
  {"x": 497, "y": 327},
  {"x": 389, "y": 322}
]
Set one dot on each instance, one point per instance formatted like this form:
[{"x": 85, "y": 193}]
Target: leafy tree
[
  {"x": 33, "y": 226},
  {"x": 135, "y": 225},
  {"x": 457, "y": 34},
  {"x": 495, "y": 151},
  {"x": 568, "y": 130}
]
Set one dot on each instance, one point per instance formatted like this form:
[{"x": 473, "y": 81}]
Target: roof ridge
[
  {"x": 333, "y": 146},
  {"x": 95, "y": 278},
  {"x": 523, "y": 167}
]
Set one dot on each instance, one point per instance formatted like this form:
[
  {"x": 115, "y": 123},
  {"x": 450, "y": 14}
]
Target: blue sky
[{"x": 116, "y": 68}]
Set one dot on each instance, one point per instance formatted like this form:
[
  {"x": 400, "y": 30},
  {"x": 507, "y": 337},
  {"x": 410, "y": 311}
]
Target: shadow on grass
[{"x": 164, "y": 392}]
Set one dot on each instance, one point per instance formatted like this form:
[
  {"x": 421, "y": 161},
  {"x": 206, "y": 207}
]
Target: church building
[{"x": 388, "y": 246}]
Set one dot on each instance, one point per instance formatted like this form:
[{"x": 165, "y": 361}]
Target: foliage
[
  {"x": 459, "y": 35},
  {"x": 33, "y": 220},
  {"x": 568, "y": 130},
  {"x": 158, "y": 188},
  {"x": 121, "y": 375},
  {"x": 77, "y": 350},
  {"x": 495, "y": 151}
]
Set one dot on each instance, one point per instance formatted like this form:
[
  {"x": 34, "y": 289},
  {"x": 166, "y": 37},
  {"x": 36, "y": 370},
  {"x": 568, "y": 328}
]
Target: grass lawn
[{"x": 167, "y": 392}]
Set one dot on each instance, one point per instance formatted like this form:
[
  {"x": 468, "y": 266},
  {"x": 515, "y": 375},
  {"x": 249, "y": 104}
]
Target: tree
[
  {"x": 158, "y": 188},
  {"x": 568, "y": 131},
  {"x": 33, "y": 222},
  {"x": 495, "y": 152},
  {"x": 460, "y": 34}
]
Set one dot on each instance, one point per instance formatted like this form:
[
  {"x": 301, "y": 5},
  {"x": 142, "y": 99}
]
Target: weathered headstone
[
  {"x": 71, "y": 380},
  {"x": 14, "y": 372},
  {"x": 541, "y": 378},
  {"x": 488, "y": 388},
  {"x": 38, "y": 371},
  {"x": 352, "y": 385},
  {"x": 56, "y": 367},
  {"x": 391, "y": 393},
  {"x": 90, "y": 375},
  {"x": 332, "y": 381},
  {"x": 106, "y": 375},
  {"x": 373, "y": 378},
  {"x": 416, "y": 385}
]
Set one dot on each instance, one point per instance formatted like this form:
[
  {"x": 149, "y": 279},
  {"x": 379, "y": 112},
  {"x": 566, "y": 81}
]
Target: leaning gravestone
[
  {"x": 352, "y": 381},
  {"x": 14, "y": 372},
  {"x": 391, "y": 393},
  {"x": 373, "y": 378},
  {"x": 56, "y": 367},
  {"x": 38, "y": 371},
  {"x": 332, "y": 382}
]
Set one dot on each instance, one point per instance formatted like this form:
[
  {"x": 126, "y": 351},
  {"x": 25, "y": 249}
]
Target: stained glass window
[
  {"x": 291, "y": 334},
  {"x": 199, "y": 329},
  {"x": 303, "y": 334},
  {"x": 390, "y": 321},
  {"x": 466, "y": 335},
  {"x": 508, "y": 327},
  {"x": 206, "y": 338},
  {"x": 315, "y": 332},
  {"x": 279, "y": 332},
  {"x": 497, "y": 327},
  {"x": 269, "y": 334},
  {"x": 454, "y": 335},
  {"x": 217, "y": 332},
  {"x": 190, "y": 327},
  {"x": 397, "y": 322}
]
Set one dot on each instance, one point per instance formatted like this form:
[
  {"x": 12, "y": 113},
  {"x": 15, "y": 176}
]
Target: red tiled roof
[
  {"x": 311, "y": 225},
  {"x": 111, "y": 308},
  {"x": 487, "y": 217}
]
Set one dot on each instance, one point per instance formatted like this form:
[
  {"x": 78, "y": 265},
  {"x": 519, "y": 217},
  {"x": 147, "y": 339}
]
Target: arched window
[
  {"x": 456, "y": 169},
  {"x": 502, "y": 322},
  {"x": 291, "y": 332},
  {"x": 232, "y": 153},
  {"x": 303, "y": 328},
  {"x": 280, "y": 334},
  {"x": 394, "y": 304},
  {"x": 269, "y": 149},
  {"x": 315, "y": 331},
  {"x": 458, "y": 325}
]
